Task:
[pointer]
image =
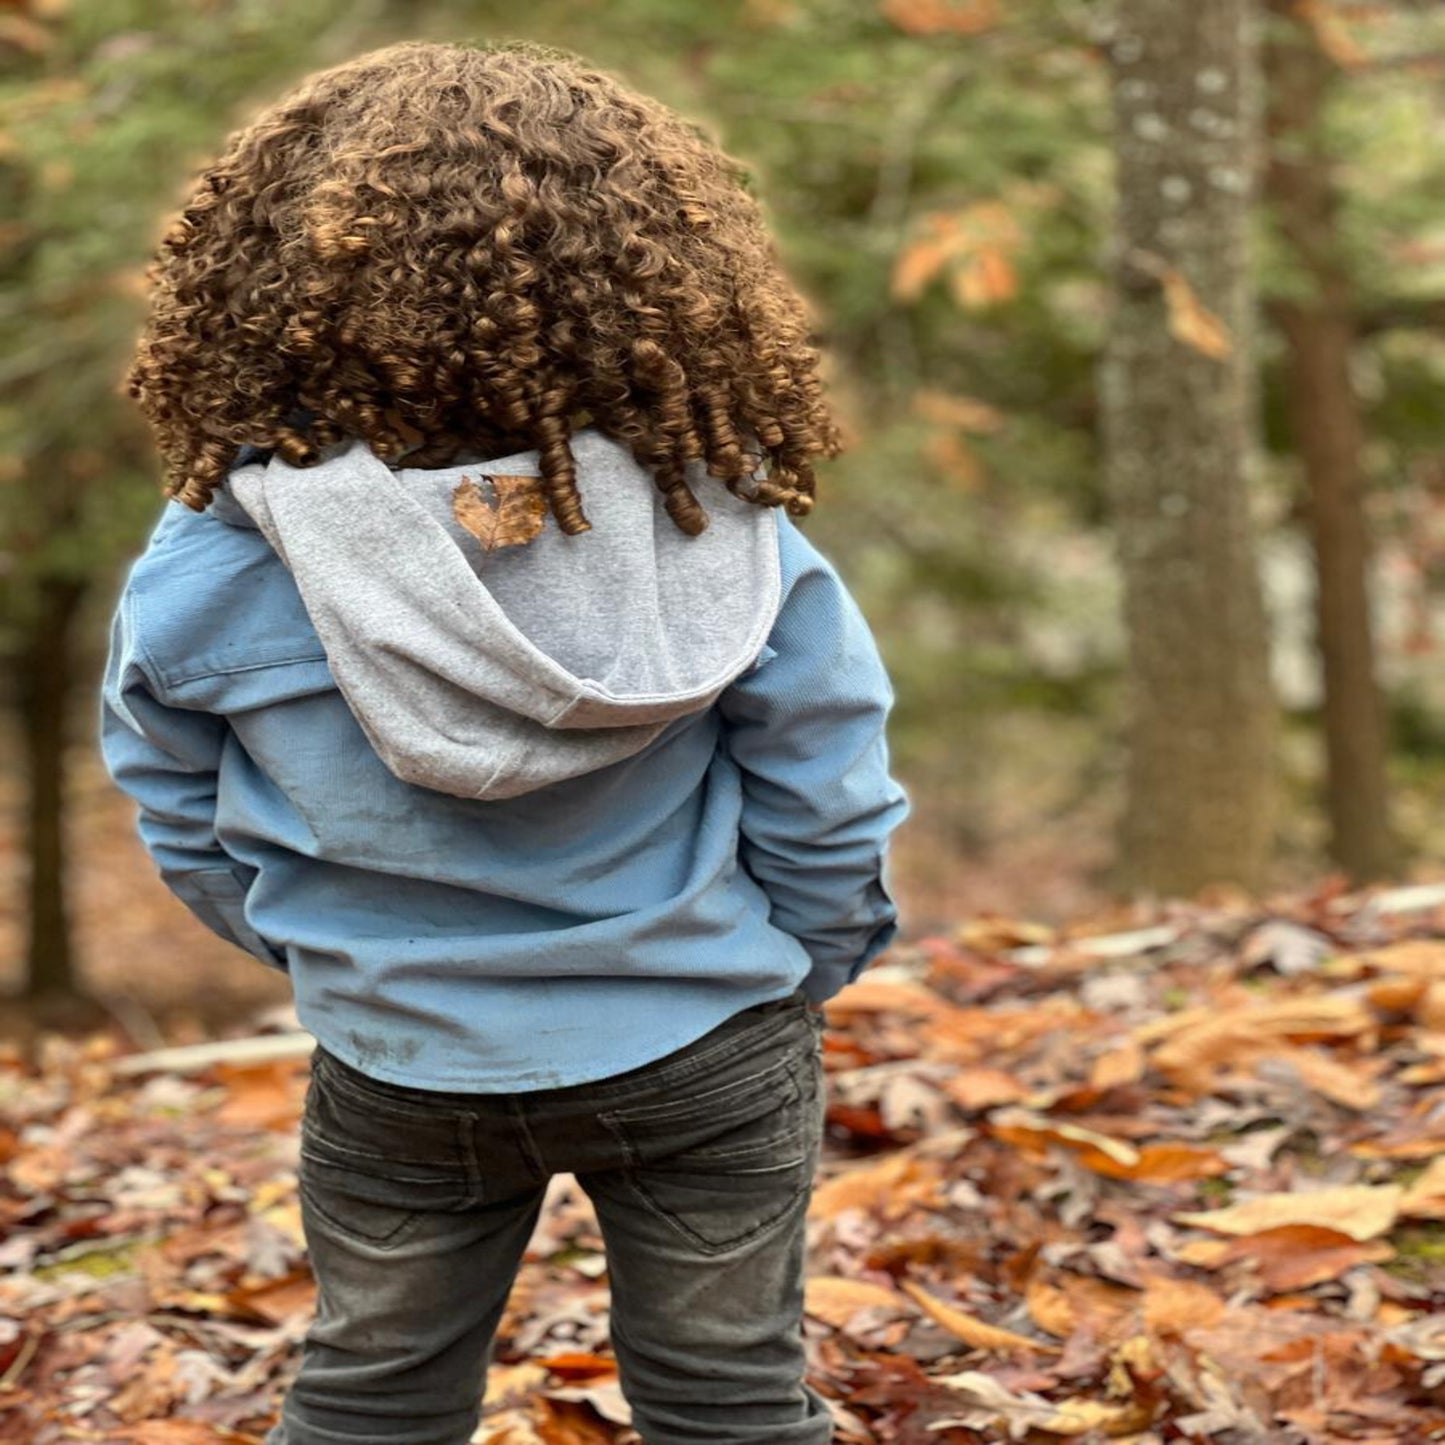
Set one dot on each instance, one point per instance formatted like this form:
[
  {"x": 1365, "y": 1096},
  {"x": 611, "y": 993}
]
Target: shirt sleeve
[
  {"x": 806, "y": 727},
  {"x": 167, "y": 759}
]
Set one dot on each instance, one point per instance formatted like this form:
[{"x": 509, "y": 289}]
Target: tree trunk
[
  {"x": 1319, "y": 331},
  {"x": 1179, "y": 424},
  {"x": 43, "y": 667}
]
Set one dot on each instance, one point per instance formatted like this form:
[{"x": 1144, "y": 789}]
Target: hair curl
[{"x": 447, "y": 248}]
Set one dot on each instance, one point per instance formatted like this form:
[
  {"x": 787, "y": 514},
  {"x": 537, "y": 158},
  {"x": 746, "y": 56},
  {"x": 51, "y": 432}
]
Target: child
[{"x": 475, "y": 679}]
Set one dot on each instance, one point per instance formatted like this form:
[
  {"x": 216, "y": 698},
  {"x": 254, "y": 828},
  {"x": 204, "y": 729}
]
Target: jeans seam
[
  {"x": 516, "y": 1110},
  {"x": 704, "y": 1245},
  {"x": 408, "y": 1222},
  {"x": 672, "y": 1110},
  {"x": 467, "y": 1148},
  {"x": 695, "y": 1063}
]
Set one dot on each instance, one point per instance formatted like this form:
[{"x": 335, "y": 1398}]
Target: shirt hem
[{"x": 497, "y": 1084}]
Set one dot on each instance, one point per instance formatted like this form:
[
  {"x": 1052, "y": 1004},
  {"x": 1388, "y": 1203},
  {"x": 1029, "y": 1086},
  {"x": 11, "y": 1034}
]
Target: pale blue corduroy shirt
[{"x": 571, "y": 933}]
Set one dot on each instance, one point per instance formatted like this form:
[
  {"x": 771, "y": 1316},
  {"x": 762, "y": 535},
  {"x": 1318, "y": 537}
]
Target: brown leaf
[
  {"x": 579, "y": 1364},
  {"x": 262, "y": 1096},
  {"x": 179, "y": 1432},
  {"x": 1172, "y": 1306},
  {"x": 890, "y": 1187},
  {"x": 1108, "y": 1311},
  {"x": 23, "y": 34},
  {"x": 1425, "y": 1198},
  {"x": 1162, "y": 1163},
  {"x": 973, "y": 1332},
  {"x": 835, "y": 1299},
  {"x": 1331, "y": 34},
  {"x": 1018, "y": 1413},
  {"x": 1117, "y": 1067},
  {"x": 1415, "y": 957},
  {"x": 1190, "y": 321},
  {"x": 986, "y": 278},
  {"x": 1352, "y": 1086},
  {"x": 983, "y": 1088},
  {"x": 942, "y": 17},
  {"x": 512, "y": 521},
  {"x": 967, "y": 413},
  {"x": 1296, "y": 1256},
  {"x": 1198, "y": 1042},
  {"x": 275, "y": 1300},
  {"x": 1360, "y": 1211},
  {"x": 918, "y": 263}
]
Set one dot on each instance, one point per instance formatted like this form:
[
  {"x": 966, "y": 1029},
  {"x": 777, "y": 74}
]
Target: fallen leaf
[
  {"x": 1425, "y": 1198},
  {"x": 973, "y": 1332},
  {"x": 1415, "y": 957},
  {"x": 1359, "y": 1211},
  {"x": 1118, "y": 1067},
  {"x": 891, "y": 1186},
  {"x": 1020, "y": 1412},
  {"x": 1172, "y": 1306},
  {"x": 835, "y": 1299},
  {"x": 1291, "y": 1257},
  {"x": 1164, "y": 1163}
]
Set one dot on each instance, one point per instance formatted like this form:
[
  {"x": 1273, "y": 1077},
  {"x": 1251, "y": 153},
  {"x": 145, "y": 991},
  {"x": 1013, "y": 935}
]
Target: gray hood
[{"x": 490, "y": 674}]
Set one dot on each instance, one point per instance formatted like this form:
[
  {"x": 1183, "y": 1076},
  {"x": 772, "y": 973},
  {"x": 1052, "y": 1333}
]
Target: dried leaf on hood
[{"x": 512, "y": 520}]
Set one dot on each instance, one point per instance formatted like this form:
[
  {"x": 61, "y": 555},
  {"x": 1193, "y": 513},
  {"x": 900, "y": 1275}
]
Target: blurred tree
[
  {"x": 1178, "y": 416},
  {"x": 101, "y": 107},
  {"x": 1320, "y": 326}
]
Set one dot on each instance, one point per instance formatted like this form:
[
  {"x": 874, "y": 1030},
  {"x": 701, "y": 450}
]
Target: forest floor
[{"x": 1187, "y": 1186}]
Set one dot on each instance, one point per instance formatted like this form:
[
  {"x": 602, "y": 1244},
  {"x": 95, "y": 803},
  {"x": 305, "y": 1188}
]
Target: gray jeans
[{"x": 418, "y": 1205}]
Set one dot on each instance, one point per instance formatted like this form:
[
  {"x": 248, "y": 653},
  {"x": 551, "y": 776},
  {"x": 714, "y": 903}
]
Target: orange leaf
[
  {"x": 1360, "y": 1211},
  {"x": 23, "y": 34},
  {"x": 973, "y": 1332},
  {"x": 579, "y": 1365},
  {"x": 1164, "y": 1163},
  {"x": 983, "y": 1088},
  {"x": 942, "y": 17},
  {"x": 180, "y": 1432},
  {"x": 1425, "y": 1198},
  {"x": 890, "y": 1188},
  {"x": 1117, "y": 1067},
  {"x": 512, "y": 521},
  {"x": 1350, "y": 1086},
  {"x": 1331, "y": 34},
  {"x": 1415, "y": 957},
  {"x": 875, "y": 995},
  {"x": 835, "y": 1299},
  {"x": 1294, "y": 1256},
  {"x": 1190, "y": 321},
  {"x": 262, "y": 1096},
  {"x": 275, "y": 1300},
  {"x": 986, "y": 279},
  {"x": 967, "y": 413},
  {"x": 918, "y": 263},
  {"x": 1172, "y": 1306},
  {"x": 955, "y": 459}
]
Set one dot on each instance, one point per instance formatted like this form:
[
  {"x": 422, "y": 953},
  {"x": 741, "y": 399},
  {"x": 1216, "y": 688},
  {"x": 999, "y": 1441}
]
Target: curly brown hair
[{"x": 443, "y": 248}]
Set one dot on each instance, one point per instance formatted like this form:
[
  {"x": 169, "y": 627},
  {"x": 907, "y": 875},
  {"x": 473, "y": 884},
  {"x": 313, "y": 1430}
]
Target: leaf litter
[{"x": 1192, "y": 1192}]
